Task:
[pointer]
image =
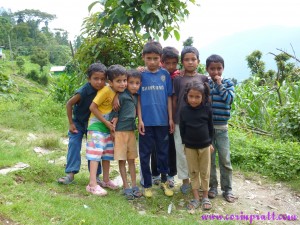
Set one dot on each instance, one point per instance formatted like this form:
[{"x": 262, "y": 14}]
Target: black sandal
[
  {"x": 212, "y": 193},
  {"x": 128, "y": 194}
]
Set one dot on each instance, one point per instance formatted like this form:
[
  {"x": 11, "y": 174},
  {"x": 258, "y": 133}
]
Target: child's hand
[
  {"x": 141, "y": 128},
  {"x": 211, "y": 147},
  {"x": 172, "y": 127},
  {"x": 218, "y": 79},
  {"x": 73, "y": 129},
  {"x": 141, "y": 69},
  {"x": 110, "y": 126}
]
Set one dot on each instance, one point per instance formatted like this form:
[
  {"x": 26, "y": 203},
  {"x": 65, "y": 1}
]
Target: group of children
[{"x": 182, "y": 118}]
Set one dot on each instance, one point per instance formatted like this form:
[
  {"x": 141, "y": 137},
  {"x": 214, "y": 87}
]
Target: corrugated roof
[{"x": 57, "y": 68}]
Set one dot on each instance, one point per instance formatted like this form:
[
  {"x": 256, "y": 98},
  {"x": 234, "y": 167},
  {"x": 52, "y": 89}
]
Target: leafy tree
[
  {"x": 59, "y": 54},
  {"x": 188, "y": 42},
  {"x": 157, "y": 18},
  {"x": 20, "y": 61},
  {"x": 28, "y": 15},
  {"x": 40, "y": 57},
  {"x": 114, "y": 45}
]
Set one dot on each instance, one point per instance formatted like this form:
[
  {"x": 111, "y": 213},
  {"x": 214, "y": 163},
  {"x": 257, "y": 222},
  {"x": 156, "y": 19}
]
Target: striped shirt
[{"x": 221, "y": 100}]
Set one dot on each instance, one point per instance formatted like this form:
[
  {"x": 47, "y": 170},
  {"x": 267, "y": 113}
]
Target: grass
[{"x": 32, "y": 196}]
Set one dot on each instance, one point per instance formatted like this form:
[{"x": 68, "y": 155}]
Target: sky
[{"x": 212, "y": 20}]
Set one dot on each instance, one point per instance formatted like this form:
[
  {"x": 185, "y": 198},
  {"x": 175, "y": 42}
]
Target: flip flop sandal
[
  {"x": 128, "y": 194},
  {"x": 205, "y": 201},
  {"x": 229, "y": 197},
  {"x": 110, "y": 184},
  {"x": 193, "y": 204},
  {"x": 136, "y": 192},
  {"x": 212, "y": 193},
  {"x": 97, "y": 190},
  {"x": 65, "y": 180},
  {"x": 185, "y": 188}
]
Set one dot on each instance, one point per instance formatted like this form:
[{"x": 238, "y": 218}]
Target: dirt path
[{"x": 268, "y": 202}]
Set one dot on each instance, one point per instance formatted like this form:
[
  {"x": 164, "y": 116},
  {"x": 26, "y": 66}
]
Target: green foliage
[
  {"x": 277, "y": 159},
  {"x": 20, "y": 61},
  {"x": 6, "y": 84},
  {"x": 59, "y": 54},
  {"x": 155, "y": 18},
  {"x": 116, "y": 45},
  {"x": 288, "y": 120},
  {"x": 40, "y": 57},
  {"x": 63, "y": 87},
  {"x": 188, "y": 42},
  {"x": 44, "y": 80},
  {"x": 33, "y": 75}
]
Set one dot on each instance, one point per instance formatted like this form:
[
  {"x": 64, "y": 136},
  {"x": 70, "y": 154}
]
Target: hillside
[{"x": 235, "y": 48}]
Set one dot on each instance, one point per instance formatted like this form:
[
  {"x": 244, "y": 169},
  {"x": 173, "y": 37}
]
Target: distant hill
[{"x": 235, "y": 48}]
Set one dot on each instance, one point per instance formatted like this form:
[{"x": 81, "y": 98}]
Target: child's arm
[
  {"x": 94, "y": 109},
  {"x": 72, "y": 101},
  {"x": 171, "y": 122},
  {"x": 174, "y": 104},
  {"x": 116, "y": 102},
  {"x": 226, "y": 89},
  {"x": 141, "y": 123}
]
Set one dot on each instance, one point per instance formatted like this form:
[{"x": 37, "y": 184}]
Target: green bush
[
  {"x": 6, "y": 84},
  {"x": 44, "y": 80},
  {"x": 63, "y": 87},
  {"x": 33, "y": 75},
  {"x": 274, "y": 158}
]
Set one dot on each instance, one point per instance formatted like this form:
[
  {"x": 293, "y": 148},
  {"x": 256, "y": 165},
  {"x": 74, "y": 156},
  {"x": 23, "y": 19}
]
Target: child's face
[
  {"x": 97, "y": 80},
  {"x": 194, "y": 98},
  {"x": 133, "y": 84},
  {"x": 152, "y": 61},
  {"x": 119, "y": 84},
  {"x": 190, "y": 62},
  {"x": 170, "y": 65},
  {"x": 215, "y": 70}
]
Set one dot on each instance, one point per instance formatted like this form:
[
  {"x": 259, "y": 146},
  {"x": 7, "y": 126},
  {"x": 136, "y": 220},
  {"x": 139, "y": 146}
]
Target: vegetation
[{"x": 152, "y": 18}]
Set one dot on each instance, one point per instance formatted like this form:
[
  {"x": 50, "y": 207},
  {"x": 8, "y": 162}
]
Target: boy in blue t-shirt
[
  {"x": 155, "y": 117},
  {"x": 78, "y": 113}
]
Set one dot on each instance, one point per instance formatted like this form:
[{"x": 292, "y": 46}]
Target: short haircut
[
  {"x": 169, "y": 53},
  {"x": 203, "y": 88},
  {"x": 115, "y": 71},
  {"x": 214, "y": 59},
  {"x": 152, "y": 47},
  {"x": 96, "y": 67},
  {"x": 189, "y": 49},
  {"x": 134, "y": 73}
]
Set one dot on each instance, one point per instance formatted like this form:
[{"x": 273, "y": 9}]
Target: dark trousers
[
  {"x": 154, "y": 136},
  {"x": 171, "y": 162}
]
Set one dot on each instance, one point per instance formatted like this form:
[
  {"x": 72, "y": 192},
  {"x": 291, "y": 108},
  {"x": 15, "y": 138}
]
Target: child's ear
[{"x": 110, "y": 83}]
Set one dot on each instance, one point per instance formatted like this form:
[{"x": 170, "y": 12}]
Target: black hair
[
  {"x": 134, "y": 73},
  {"x": 203, "y": 88},
  {"x": 152, "y": 47},
  {"x": 115, "y": 71},
  {"x": 214, "y": 59},
  {"x": 169, "y": 53},
  {"x": 189, "y": 49},
  {"x": 96, "y": 67}
]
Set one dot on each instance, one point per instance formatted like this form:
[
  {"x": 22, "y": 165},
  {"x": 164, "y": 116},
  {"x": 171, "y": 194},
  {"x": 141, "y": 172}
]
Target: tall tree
[{"x": 155, "y": 18}]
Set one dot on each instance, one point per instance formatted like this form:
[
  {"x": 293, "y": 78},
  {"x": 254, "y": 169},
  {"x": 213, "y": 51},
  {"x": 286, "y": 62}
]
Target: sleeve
[
  {"x": 226, "y": 91},
  {"x": 101, "y": 96},
  {"x": 175, "y": 86}
]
